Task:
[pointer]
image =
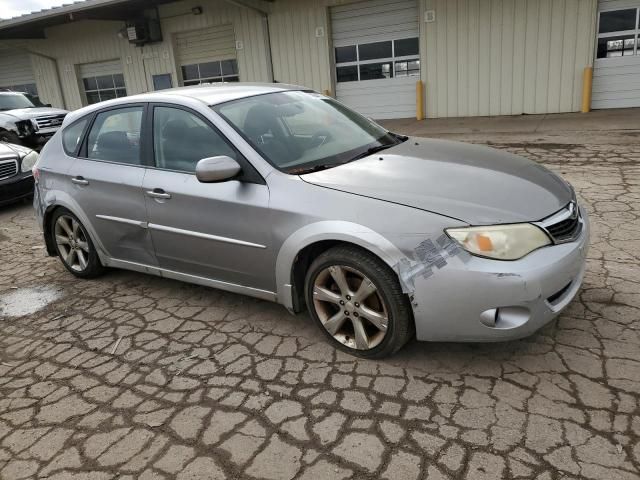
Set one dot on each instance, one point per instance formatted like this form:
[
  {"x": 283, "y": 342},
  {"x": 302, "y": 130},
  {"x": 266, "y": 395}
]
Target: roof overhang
[{"x": 33, "y": 25}]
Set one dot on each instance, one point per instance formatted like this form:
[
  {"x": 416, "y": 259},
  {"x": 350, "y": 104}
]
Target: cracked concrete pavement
[{"x": 210, "y": 385}]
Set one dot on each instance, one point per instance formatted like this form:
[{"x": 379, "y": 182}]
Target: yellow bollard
[
  {"x": 587, "y": 82},
  {"x": 419, "y": 100}
]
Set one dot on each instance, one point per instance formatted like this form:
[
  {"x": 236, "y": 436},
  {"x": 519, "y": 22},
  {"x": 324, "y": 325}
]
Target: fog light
[
  {"x": 505, "y": 318},
  {"x": 488, "y": 317}
]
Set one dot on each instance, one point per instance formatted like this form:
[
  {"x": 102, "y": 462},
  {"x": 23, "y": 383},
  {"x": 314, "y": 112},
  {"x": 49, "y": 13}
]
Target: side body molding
[{"x": 328, "y": 230}]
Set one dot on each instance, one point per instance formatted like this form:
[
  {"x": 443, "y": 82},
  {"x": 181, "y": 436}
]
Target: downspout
[{"x": 265, "y": 19}]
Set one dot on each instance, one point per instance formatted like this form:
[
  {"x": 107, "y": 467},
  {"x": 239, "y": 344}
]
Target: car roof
[{"x": 209, "y": 94}]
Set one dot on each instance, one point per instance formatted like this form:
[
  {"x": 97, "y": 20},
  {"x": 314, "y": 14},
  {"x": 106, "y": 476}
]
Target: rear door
[
  {"x": 107, "y": 183},
  {"x": 217, "y": 231}
]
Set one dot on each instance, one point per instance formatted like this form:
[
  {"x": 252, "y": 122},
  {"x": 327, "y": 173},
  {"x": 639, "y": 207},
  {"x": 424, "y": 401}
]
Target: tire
[
  {"x": 9, "y": 137},
  {"x": 344, "y": 314},
  {"x": 79, "y": 244}
]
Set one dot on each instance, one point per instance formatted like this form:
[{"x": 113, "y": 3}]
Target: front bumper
[
  {"x": 483, "y": 300},
  {"x": 16, "y": 188},
  {"x": 37, "y": 140}
]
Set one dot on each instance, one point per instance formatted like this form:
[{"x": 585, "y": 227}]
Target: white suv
[{"x": 26, "y": 121}]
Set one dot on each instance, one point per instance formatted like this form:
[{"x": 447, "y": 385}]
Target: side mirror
[
  {"x": 47, "y": 105},
  {"x": 217, "y": 169}
]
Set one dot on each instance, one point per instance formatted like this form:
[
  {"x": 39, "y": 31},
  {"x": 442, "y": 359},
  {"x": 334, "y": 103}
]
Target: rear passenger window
[
  {"x": 72, "y": 135},
  {"x": 115, "y": 136},
  {"x": 181, "y": 139}
]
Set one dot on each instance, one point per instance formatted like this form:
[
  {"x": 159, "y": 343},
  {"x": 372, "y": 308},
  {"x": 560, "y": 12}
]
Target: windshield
[
  {"x": 302, "y": 131},
  {"x": 15, "y": 100}
]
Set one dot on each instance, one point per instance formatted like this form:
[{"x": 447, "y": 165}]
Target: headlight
[
  {"x": 502, "y": 242},
  {"x": 29, "y": 161},
  {"x": 25, "y": 127}
]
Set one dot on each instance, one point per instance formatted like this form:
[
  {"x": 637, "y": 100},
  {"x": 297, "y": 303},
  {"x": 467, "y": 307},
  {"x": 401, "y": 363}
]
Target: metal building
[{"x": 386, "y": 58}]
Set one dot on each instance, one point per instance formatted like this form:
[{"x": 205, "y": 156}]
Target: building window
[
  {"x": 210, "y": 72},
  {"x": 377, "y": 60},
  {"x": 28, "y": 88},
  {"x": 162, "y": 81},
  {"x": 618, "y": 33},
  {"x": 104, "y": 87}
]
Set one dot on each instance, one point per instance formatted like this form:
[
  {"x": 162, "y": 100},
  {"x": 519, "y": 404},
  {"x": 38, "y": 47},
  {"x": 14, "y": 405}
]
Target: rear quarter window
[{"x": 72, "y": 135}]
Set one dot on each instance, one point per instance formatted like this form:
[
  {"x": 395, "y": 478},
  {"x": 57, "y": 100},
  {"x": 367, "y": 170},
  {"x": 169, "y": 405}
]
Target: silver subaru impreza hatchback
[{"x": 284, "y": 194}]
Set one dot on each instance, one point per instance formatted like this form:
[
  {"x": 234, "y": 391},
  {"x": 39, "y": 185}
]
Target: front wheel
[
  {"x": 74, "y": 246},
  {"x": 357, "y": 301}
]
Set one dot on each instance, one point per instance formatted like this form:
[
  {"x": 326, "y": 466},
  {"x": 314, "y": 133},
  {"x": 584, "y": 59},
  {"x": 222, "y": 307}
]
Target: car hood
[
  {"x": 472, "y": 183},
  {"x": 9, "y": 150},
  {"x": 26, "y": 113}
]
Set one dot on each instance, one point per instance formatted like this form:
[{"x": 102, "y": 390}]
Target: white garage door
[
  {"x": 377, "y": 56},
  {"x": 616, "y": 73},
  {"x": 102, "y": 81},
  {"x": 16, "y": 72},
  {"x": 207, "y": 55}
]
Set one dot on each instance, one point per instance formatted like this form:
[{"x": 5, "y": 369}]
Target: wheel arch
[
  {"x": 304, "y": 245},
  {"x": 47, "y": 218},
  {"x": 54, "y": 201}
]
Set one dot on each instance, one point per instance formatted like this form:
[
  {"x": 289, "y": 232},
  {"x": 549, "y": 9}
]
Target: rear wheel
[
  {"x": 357, "y": 301},
  {"x": 74, "y": 246}
]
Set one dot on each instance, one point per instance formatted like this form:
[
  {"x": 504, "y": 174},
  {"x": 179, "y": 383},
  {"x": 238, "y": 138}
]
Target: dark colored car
[{"x": 16, "y": 179}]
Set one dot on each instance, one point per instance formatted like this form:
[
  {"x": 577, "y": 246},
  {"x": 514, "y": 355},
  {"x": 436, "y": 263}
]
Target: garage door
[
  {"x": 16, "y": 72},
  {"x": 616, "y": 73},
  {"x": 102, "y": 81},
  {"x": 377, "y": 56},
  {"x": 207, "y": 55}
]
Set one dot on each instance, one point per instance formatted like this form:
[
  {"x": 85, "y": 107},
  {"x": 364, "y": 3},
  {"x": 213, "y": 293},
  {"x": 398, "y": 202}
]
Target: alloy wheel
[
  {"x": 350, "y": 307},
  {"x": 72, "y": 243}
]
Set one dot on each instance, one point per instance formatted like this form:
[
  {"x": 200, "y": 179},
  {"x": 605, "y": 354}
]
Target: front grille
[
  {"x": 8, "y": 168},
  {"x": 565, "y": 230},
  {"x": 50, "y": 121},
  {"x": 565, "y": 225}
]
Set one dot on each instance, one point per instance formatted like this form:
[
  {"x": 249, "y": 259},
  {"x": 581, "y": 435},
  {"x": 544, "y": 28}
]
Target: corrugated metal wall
[
  {"x": 301, "y": 46},
  {"x": 299, "y": 56},
  {"x": 15, "y": 68},
  {"x": 506, "y": 57},
  {"x": 46, "y": 74},
  {"x": 480, "y": 57},
  {"x": 96, "y": 41},
  {"x": 198, "y": 46}
]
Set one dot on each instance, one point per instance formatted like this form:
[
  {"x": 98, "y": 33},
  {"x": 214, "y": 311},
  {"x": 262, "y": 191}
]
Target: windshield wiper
[
  {"x": 372, "y": 150},
  {"x": 366, "y": 153},
  {"x": 315, "y": 168}
]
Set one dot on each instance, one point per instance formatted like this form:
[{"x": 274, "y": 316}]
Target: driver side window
[{"x": 181, "y": 139}]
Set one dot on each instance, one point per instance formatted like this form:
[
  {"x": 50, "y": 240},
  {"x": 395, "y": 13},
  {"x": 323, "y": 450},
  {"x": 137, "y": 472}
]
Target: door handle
[
  {"x": 80, "y": 181},
  {"x": 158, "y": 193}
]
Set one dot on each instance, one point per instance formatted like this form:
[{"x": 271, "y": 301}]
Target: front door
[
  {"x": 210, "y": 230},
  {"x": 107, "y": 184}
]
